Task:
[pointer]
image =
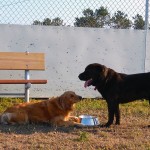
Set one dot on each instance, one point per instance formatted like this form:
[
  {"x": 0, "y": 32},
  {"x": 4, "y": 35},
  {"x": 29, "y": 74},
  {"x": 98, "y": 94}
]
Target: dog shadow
[
  {"x": 45, "y": 128},
  {"x": 34, "y": 128}
]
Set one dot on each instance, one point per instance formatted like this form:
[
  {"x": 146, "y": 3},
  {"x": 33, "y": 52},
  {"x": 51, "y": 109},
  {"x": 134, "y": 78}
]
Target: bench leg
[
  {"x": 27, "y": 86},
  {"x": 27, "y": 91}
]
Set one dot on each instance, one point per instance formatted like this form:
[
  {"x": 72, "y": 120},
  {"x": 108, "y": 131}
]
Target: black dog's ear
[
  {"x": 102, "y": 70},
  {"x": 105, "y": 71}
]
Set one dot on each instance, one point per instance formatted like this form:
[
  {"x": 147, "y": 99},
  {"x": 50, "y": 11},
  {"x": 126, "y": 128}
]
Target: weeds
[{"x": 83, "y": 137}]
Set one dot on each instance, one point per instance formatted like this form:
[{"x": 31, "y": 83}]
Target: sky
[{"x": 26, "y": 11}]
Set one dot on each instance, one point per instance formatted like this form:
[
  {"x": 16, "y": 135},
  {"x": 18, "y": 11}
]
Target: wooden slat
[
  {"x": 23, "y": 81},
  {"x": 21, "y": 61}
]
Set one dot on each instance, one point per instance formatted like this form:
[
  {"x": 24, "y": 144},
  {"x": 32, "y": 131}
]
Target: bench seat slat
[{"x": 23, "y": 81}]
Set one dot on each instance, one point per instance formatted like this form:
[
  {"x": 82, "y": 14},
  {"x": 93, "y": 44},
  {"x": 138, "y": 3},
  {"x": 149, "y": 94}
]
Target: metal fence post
[
  {"x": 146, "y": 14},
  {"x": 146, "y": 27}
]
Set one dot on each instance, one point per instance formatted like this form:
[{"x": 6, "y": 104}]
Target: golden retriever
[{"x": 55, "y": 111}]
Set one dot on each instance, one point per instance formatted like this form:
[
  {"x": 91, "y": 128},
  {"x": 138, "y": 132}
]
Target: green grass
[
  {"x": 7, "y": 102},
  {"x": 137, "y": 107},
  {"x": 92, "y": 104},
  {"x": 132, "y": 107}
]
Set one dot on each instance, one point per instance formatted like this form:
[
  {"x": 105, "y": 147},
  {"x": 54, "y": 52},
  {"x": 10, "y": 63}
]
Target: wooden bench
[{"x": 22, "y": 61}]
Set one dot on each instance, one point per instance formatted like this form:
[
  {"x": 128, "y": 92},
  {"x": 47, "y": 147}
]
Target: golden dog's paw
[
  {"x": 77, "y": 119},
  {"x": 74, "y": 119}
]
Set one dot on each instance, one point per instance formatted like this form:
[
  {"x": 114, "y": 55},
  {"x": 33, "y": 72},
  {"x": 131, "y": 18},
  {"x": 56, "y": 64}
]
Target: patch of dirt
[{"x": 45, "y": 137}]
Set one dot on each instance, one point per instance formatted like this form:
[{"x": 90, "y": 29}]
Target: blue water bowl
[{"x": 88, "y": 120}]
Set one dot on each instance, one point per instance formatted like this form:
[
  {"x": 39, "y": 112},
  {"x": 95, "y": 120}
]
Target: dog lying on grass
[{"x": 55, "y": 111}]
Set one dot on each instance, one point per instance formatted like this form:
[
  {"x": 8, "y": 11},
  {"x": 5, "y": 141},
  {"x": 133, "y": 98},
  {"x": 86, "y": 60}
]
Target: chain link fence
[{"x": 120, "y": 14}]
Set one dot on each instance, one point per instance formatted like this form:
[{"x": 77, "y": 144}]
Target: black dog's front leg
[
  {"x": 117, "y": 114},
  {"x": 111, "y": 113}
]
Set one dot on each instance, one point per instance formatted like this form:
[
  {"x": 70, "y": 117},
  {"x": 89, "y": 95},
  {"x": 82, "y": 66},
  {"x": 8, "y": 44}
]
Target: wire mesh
[{"x": 80, "y": 13}]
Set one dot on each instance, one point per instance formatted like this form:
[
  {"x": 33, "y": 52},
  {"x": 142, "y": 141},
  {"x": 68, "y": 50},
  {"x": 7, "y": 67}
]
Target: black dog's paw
[{"x": 117, "y": 123}]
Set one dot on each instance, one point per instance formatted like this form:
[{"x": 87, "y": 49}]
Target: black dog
[{"x": 116, "y": 87}]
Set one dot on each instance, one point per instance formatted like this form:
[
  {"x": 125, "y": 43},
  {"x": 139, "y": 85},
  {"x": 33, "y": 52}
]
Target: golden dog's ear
[
  {"x": 60, "y": 103},
  {"x": 65, "y": 103}
]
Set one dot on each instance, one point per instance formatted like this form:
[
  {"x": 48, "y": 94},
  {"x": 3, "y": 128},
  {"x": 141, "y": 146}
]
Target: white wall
[
  {"x": 147, "y": 60},
  {"x": 68, "y": 50}
]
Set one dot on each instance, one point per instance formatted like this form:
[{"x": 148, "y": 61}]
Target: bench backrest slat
[{"x": 21, "y": 61}]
